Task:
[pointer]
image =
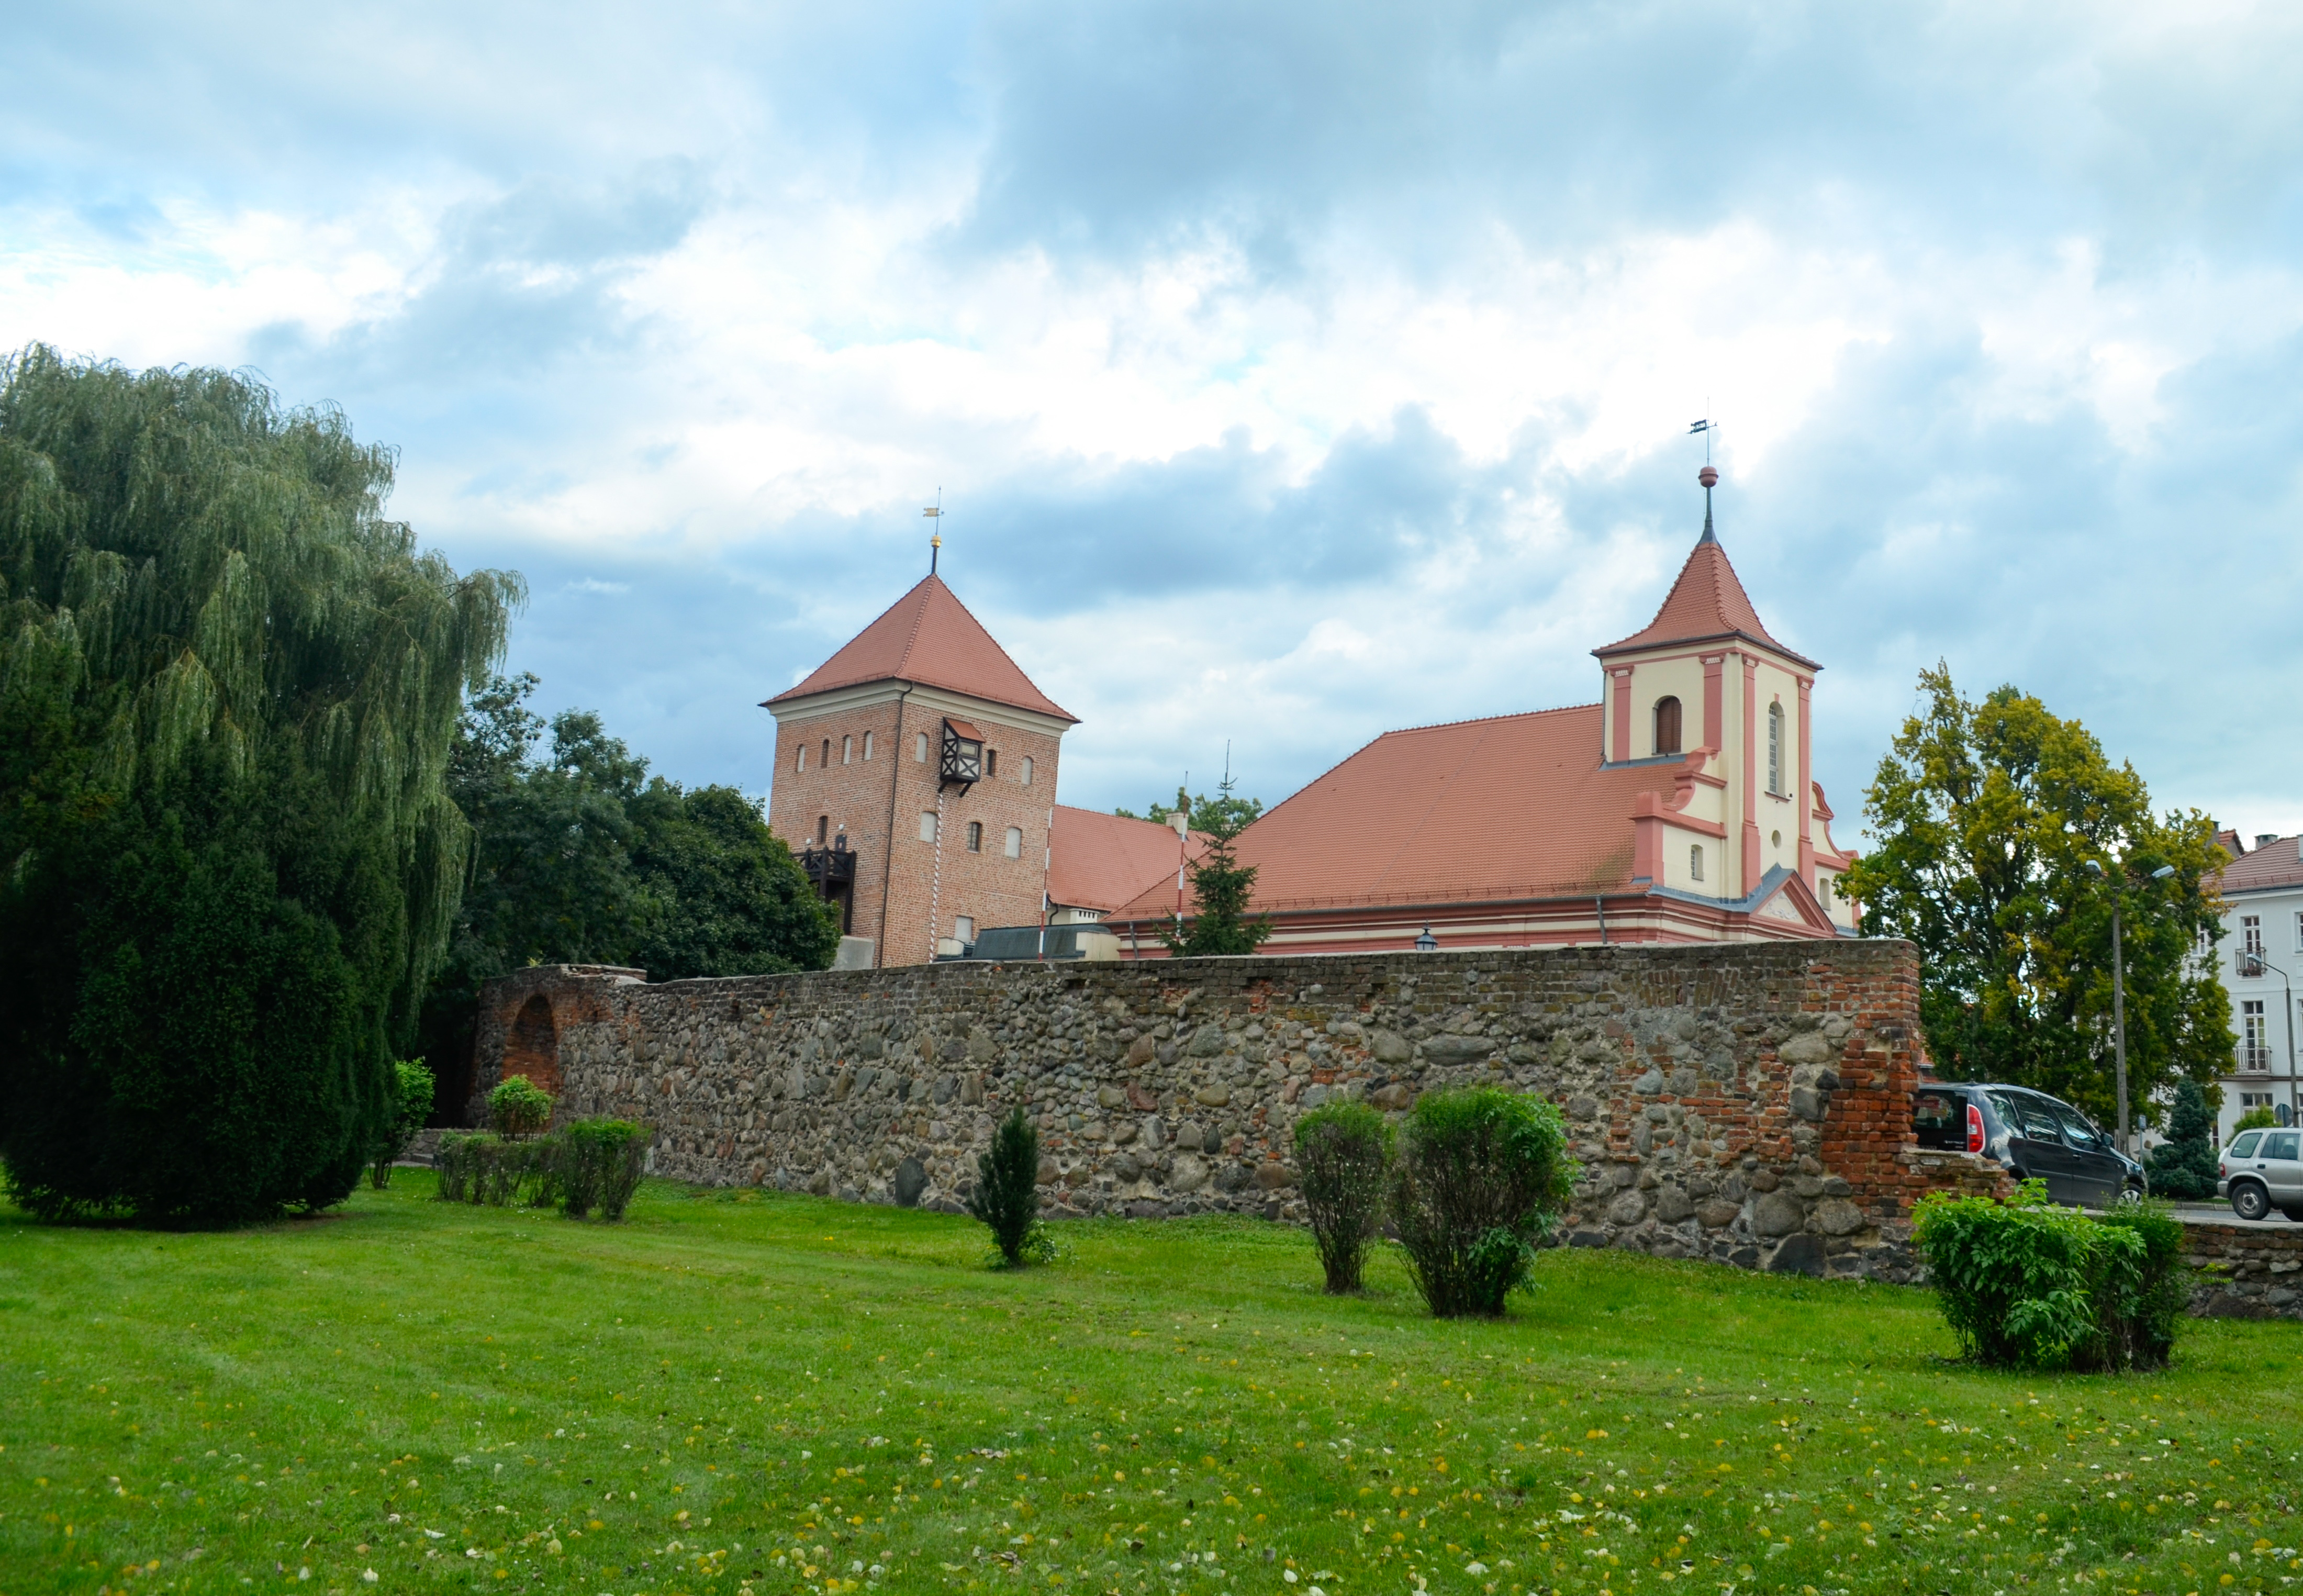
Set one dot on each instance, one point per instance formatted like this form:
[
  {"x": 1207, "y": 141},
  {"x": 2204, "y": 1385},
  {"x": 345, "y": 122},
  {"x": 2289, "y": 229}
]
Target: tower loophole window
[
  {"x": 1775, "y": 747},
  {"x": 822, "y": 829},
  {"x": 975, "y": 836},
  {"x": 1666, "y": 726}
]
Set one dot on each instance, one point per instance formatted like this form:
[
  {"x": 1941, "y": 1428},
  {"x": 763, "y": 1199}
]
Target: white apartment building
[{"x": 2260, "y": 960}]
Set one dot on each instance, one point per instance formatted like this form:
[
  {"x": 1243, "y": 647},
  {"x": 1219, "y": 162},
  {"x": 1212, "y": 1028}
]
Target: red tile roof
[
  {"x": 1515, "y": 806},
  {"x": 2278, "y": 863},
  {"x": 1708, "y": 601},
  {"x": 928, "y": 637},
  {"x": 1101, "y": 861}
]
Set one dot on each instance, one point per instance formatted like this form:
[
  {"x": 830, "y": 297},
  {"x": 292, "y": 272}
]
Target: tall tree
[
  {"x": 1222, "y": 812},
  {"x": 228, "y": 861},
  {"x": 1988, "y": 814},
  {"x": 585, "y": 859},
  {"x": 1221, "y": 886}
]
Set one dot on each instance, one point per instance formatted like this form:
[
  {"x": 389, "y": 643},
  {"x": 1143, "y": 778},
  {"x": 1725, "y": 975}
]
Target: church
[{"x": 916, "y": 775}]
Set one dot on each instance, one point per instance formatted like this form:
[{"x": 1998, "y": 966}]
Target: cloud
[{"x": 1291, "y": 372}]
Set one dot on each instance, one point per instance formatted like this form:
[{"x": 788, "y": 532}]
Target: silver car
[{"x": 2261, "y": 1171}]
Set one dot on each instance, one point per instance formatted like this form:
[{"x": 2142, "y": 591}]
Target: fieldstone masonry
[{"x": 1747, "y": 1103}]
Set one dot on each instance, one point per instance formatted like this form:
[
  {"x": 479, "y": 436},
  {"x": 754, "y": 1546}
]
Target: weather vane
[{"x": 934, "y": 512}]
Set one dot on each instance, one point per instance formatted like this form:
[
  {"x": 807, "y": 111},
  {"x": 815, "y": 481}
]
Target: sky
[{"x": 1289, "y": 372}]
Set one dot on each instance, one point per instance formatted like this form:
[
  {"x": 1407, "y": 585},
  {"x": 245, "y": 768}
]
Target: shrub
[
  {"x": 412, "y": 1102},
  {"x": 457, "y": 1164},
  {"x": 2026, "y": 1284},
  {"x": 2184, "y": 1165},
  {"x": 2256, "y": 1119},
  {"x": 1007, "y": 1194},
  {"x": 1482, "y": 1176},
  {"x": 595, "y": 1163},
  {"x": 484, "y": 1167},
  {"x": 1343, "y": 1159},
  {"x": 518, "y": 1108}
]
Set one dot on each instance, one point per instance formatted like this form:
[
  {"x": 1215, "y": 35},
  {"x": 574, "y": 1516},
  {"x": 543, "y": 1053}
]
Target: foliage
[
  {"x": 597, "y": 1163},
  {"x": 1989, "y": 814},
  {"x": 484, "y": 1168},
  {"x": 412, "y": 1089},
  {"x": 1222, "y": 887},
  {"x": 519, "y": 1106},
  {"x": 2185, "y": 1165},
  {"x": 228, "y": 687},
  {"x": 2257, "y": 1118},
  {"x": 583, "y": 858},
  {"x": 1007, "y": 1194},
  {"x": 1220, "y": 813},
  {"x": 1343, "y": 1161},
  {"x": 1482, "y": 1176},
  {"x": 2027, "y": 1284}
]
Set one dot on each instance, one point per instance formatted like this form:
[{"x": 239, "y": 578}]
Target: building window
[
  {"x": 927, "y": 826},
  {"x": 975, "y": 836},
  {"x": 1775, "y": 747},
  {"x": 1695, "y": 862},
  {"x": 920, "y": 749},
  {"x": 963, "y": 926},
  {"x": 846, "y": 750},
  {"x": 1666, "y": 726},
  {"x": 868, "y": 747},
  {"x": 1015, "y": 842},
  {"x": 799, "y": 760},
  {"x": 2251, "y": 945},
  {"x": 2254, "y": 1051},
  {"x": 1027, "y": 781},
  {"x": 991, "y": 763},
  {"x": 823, "y": 830},
  {"x": 2299, "y": 930},
  {"x": 827, "y": 753}
]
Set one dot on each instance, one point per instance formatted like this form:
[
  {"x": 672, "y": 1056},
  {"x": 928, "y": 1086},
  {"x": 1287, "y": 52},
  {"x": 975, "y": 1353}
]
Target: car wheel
[
  {"x": 2130, "y": 1194},
  {"x": 2249, "y": 1200}
]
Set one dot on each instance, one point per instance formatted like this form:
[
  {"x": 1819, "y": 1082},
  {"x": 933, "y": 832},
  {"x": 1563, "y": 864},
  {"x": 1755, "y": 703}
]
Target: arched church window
[
  {"x": 1666, "y": 726},
  {"x": 1695, "y": 862},
  {"x": 1775, "y": 747}
]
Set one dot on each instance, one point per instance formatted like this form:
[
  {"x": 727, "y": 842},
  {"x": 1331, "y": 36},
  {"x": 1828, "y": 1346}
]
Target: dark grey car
[{"x": 2036, "y": 1136}]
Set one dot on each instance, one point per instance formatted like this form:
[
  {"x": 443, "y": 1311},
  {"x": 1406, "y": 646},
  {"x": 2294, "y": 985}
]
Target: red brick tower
[{"x": 916, "y": 772}]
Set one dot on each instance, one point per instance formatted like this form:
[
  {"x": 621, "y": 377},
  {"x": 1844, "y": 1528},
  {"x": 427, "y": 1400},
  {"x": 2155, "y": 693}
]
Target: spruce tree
[{"x": 1221, "y": 886}]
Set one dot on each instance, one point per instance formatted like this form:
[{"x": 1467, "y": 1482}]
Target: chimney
[{"x": 2265, "y": 839}]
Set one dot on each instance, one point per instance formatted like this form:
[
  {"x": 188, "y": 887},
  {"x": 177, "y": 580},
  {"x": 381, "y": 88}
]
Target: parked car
[
  {"x": 2036, "y": 1136},
  {"x": 2261, "y": 1171}
]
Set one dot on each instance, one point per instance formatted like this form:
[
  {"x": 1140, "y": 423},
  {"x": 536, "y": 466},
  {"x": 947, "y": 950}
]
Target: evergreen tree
[
  {"x": 2185, "y": 1165},
  {"x": 228, "y": 688},
  {"x": 1221, "y": 886}
]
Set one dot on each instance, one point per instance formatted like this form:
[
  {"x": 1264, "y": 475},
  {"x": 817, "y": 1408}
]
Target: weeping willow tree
[{"x": 228, "y": 862}]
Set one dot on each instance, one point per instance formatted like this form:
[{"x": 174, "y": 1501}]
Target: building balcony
[{"x": 2253, "y": 1060}]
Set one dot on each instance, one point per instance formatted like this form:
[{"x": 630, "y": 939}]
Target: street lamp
[
  {"x": 1426, "y": 942},
  {"x": 2254, "y": 964},
  {"x": 2119, "y": 990}
]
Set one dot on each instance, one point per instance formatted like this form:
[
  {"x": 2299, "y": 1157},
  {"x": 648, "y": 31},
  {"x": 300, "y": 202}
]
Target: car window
[
  {"x": 2028, "y": 1115},
  {"x": 1937, "y": 1121},
  {"x": 2078, "y": 1132},
  {"x": 2281, "y": 1143},
  {"x": 2245, "y": 1146}
]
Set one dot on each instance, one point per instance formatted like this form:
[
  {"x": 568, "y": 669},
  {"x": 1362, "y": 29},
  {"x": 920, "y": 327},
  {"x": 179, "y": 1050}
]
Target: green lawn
[{"x": 737, "y": 1389}]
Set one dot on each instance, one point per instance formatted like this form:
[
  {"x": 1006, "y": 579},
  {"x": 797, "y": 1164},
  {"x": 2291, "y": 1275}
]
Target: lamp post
[{"x": 2119, "y": 989}]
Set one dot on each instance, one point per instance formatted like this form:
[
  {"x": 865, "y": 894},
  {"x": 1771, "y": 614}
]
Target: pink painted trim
[
  {"x": 1806, "y": 785},
  {"x": 1623, "y": 737},
  {"x": 1751, "y": 774},
  {"x": 1714, "y": 725}
]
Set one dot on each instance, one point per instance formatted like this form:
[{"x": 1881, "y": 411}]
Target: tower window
[
  {"x": 823, "y": 830},
  {"x": 1775, "y": 747},
  {"x": 927, "y": 826},
  {"x": 1015, "y": 842},
  {"x": 975, "y": 836},
  {"x": 963, "y": 926},
  {"x": 846, "y": 750},
  {"x": 827, "y": 753},
  {"x": 1027, "y": 781},
  {"x": 799, "y": 759},
  {"x": 1695, "y": 862},
  {"x": 1666, "y": 726},
  {"x": 991, "y": 763},
  {"x": 868, "y": 747},
  {"x": 920, "y": 749}
]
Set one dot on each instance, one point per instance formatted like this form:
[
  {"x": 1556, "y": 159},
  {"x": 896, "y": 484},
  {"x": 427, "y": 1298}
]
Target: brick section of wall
[
  {"x": 1726, "y": 1101},
  {"x": 2248, "y": 1272},
  {"x": 987, "y": 886}
]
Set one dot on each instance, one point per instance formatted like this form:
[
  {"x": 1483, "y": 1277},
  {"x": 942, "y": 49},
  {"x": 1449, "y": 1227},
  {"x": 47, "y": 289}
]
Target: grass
[{"x": 738, "y": 1389}]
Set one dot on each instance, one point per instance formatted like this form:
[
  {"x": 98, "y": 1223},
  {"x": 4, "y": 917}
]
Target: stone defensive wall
[{"x": 1748, "y": 1104}]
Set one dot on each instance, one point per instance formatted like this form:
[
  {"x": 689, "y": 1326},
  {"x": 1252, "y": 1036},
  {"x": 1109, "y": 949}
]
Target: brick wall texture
[
  {"x": 909, "y": 891},
  {"x": 1746, "y": 1103}
]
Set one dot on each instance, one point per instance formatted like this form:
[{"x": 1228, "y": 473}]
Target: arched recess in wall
[{"x": 532, "y": 1046}]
